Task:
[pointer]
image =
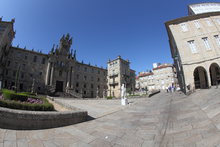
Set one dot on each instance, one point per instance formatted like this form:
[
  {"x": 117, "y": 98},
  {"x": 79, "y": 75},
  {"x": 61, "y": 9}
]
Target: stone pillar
[
  {"x": 52, "y": 74},
  {"x": 208, "y": 79},
  {"x": 67, "y": 79},
  {"x": 47, "y": 80}
]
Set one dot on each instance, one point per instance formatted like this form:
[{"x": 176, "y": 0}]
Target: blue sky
[{"x": 101, "y": 29}]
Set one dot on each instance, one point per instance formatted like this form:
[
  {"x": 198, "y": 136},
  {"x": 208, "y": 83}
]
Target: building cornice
[
  {"x": 91, "y": 66},
  {"x": 29, "y": 51},
  {"x": 191, "y": 17}
]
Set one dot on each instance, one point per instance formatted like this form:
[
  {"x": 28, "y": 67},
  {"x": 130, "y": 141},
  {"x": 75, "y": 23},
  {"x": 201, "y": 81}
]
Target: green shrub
[
  {"x": 17, "y": 101},
  {"x": 109, "y": 97},
  {"x": 26, "y": 106},
  {"x": 11, "y": 95},
  {"x": 28, "y": 93}
]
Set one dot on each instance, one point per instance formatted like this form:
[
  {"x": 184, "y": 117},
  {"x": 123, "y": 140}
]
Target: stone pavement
[
  {"x": 97, "y": 107},
  {"x": 163, "y": 120}
]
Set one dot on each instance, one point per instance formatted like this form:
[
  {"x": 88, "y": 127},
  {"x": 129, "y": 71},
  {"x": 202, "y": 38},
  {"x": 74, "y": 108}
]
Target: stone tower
[
  {"x": 119, "y": 73},
  {"x": 65, "y": 44}
]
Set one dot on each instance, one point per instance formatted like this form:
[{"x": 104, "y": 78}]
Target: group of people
[{"x": 171, "y": 89}]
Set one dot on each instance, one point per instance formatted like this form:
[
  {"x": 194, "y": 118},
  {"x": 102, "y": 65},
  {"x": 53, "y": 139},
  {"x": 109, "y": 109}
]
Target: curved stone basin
[{"x": 30, "y": 120}]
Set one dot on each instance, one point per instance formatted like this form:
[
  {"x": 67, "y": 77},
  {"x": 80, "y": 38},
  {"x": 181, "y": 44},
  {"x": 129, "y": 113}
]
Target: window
[
  {"x": 206, "y": 43},
  {"x": 14, "y": 73},
  {"x": 92, "y": 86},
  {"x": 208, "y": 22},
  {"x": 192, "y": 46},
  {"x": 25, "y": 57},
  {"x": 98, "y": 72},
  {"x": 77, "y": 84},
  {"x": 196, "y": 22},
  {"x": 16, "y": 64},
  {"x": 40, "y": 73},
  {"x": 85, "y": 69},
  {"x": 98, "y": 79},
  {"x": 61, "y": 64},
  {"x": 43, "y": 61},
  {"x": 60, "y": 73},
  {"x": 77, "y": 76},
  {"x": 35, "y": 58},
  {"x": 2, "y": 28},
  {"x": 22, "y": 75},
  {"x": 6, "y": 72},
  {"x": 183, "y": 27},
  {"x": 84, "y": 85},
  {"x": 92, "y": 78},
  {"x": 217, "y": 40},
  {"x": 23, "y": 66},
  {"x": 84, "y": 92},
  {"x": 85, "y": 77},
  {"x": 9, "y": 63},
  {"x": 10, "y": 35}
]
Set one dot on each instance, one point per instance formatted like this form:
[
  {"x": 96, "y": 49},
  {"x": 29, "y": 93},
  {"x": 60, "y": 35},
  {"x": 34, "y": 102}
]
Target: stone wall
[{"x": 30, "y": 120}]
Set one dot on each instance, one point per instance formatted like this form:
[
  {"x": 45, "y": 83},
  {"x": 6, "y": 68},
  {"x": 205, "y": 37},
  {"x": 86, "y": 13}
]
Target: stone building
[
  {"x": 195, "y": 46},
  {"x": 161, "y": 77},
  {"x": 6, "y": 36},
  {"x": 119, "y": 73},
  {"x": 58, "y": 71}
]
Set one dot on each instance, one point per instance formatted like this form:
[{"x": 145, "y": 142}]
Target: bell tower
[{"x": 65, "y": 44}]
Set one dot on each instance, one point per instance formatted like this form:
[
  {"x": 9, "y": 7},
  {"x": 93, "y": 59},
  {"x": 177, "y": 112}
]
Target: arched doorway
[
  {"x": 200, "y": 78},
  {"x": 214, "y": 71}
]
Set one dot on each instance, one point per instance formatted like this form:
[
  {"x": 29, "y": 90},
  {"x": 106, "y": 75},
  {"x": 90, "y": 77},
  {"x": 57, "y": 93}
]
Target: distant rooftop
[
  {"x": 200, "y": 8},
  {"x": 163, "y": 66}
]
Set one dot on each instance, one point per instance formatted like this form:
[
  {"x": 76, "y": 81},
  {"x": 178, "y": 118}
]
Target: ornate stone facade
[
  {"x": 58, "y": 71},
  {"x": 6, "y": 36}
]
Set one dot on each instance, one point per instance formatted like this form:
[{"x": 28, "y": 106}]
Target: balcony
[
  {"x": 113, "y": 83},
  {"x": 113, "y": 75}
]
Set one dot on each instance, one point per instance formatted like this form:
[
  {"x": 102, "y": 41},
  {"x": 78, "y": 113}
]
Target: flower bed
[{"x": 22, "y": 101}]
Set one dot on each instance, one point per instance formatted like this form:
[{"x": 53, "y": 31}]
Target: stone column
[
  {"x": 208, "y": 78},
  {"x": 67, "y": 79},
  {"x": 48, "y": 74},
  {"x": 51, "y": 75}
]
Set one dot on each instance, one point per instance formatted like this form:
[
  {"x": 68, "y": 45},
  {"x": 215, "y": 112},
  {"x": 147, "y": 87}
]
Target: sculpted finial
[
  {"x": 74, "y": 56},
  {"x": 67, "y": 36},
  {"x": 70, "y": 41},
  {"x": 13, "y": 20}
]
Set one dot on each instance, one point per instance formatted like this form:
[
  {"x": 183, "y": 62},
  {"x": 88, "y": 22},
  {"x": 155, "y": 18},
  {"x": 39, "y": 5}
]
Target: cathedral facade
[{"x": 58, "y": 71}]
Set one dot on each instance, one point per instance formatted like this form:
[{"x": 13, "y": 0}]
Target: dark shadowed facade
[{"x": 58, "y": 71}]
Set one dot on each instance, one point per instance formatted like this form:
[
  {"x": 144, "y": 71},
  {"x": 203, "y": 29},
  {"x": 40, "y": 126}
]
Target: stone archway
[
  {"x": 200, "y": 78},
  {"x": 214, "y": 71}
]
